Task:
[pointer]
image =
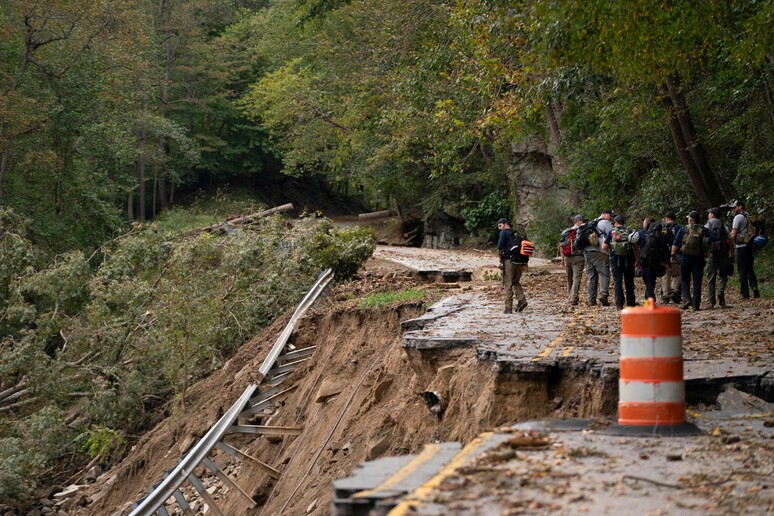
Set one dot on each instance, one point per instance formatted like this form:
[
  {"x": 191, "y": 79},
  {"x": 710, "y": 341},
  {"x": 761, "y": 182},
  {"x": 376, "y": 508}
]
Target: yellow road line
[
  {"x": 424, "y": 491},
  {"x": 549, "y": 348},
  {"x": 430, "y": 451},
  {"x": 567, "y": 351}
]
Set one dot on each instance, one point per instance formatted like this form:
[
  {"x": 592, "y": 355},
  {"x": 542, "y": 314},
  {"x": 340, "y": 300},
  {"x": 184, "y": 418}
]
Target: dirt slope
[{"x": 359, "y": 397}]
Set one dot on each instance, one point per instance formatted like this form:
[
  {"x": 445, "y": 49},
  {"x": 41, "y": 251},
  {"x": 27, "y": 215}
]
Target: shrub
[{"x": 484, "y": 216}]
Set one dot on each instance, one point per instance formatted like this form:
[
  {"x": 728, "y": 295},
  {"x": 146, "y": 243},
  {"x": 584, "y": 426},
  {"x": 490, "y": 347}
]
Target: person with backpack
[
  {"x": 670, "y": 280},
  {"x": 590, "y": 236},
  {"x": 742, "y": 234},
  {"x": 514, "y": 256},
  {"x": 693, "y": 242},
  {"x": 572, "y": 258},
  {"x": 653, "y": 255},
  {"x": 624, "y": 254},
  {"x": 721, "y": 258}
]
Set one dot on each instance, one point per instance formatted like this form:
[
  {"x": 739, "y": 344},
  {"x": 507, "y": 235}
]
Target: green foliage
[
  {"x": 343, "y": 249},
  {"x": 384, "y": 299},
  {"x": 102, "y": 443},
  {"x": 550, "y": 218},
  {"x": 487, "y": 212},
  {"x": 30, "y": 445},
  {"x": 119, "y": 341}
]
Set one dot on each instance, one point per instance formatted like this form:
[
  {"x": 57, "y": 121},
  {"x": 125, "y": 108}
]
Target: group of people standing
[{"x": 678, "y": 255}]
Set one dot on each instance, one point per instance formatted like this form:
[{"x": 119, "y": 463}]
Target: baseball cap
[
  {"x": 618, "y": 219},
  {"x": 695, "y": 215},
  {"x": 502, "y": 221},
  {"x": 670, "y": 215},
  {"x": 716, "y": 212},
  {"x": 608, "y": 212},
  {"x": 580, "y": 217},
  {"x": 736, "y": 203}
]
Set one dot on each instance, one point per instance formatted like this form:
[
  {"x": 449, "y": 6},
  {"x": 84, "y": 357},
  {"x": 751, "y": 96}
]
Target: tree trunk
[
  {"x": 707, "y": 187},
  {"x": 171, "y": 48},
  {"x": 3, "y": 166},
  {"x": 130, "y": 205},
  {"x": 141, "y": 175}
]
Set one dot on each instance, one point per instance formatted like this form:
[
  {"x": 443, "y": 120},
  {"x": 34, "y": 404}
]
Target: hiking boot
[
  {"x": 686, "y": 305},
  {"x": 665, "y": 300},
  {"x": 722, "y": 299},
  {"x": 506, "y": 311},
  {"x": 619, "y": 307},
  {"x": 676, "y": 298},
  {"x": 603, "y": 301},
  {"x": 574, "y": 302},
  {"x": 521, "y": 306},
  {"x": 756, "y": 293}
]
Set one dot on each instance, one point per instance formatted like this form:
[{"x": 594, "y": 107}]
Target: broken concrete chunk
[{"x": 734, "y": 401}]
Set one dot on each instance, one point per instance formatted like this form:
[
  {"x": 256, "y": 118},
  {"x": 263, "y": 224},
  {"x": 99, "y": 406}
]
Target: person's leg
[
  {"x": 578, "y": 262},
  {"x": 628, "y": 271},
  {"x": 568, "y": 269},
  {"x": 697, "y": 272},
  {"x": 604, "y": 278},
  {"x": 712, "y": 272},
  {"x": 685, "y": 280},
  {"x": 664, "y": 282},
  {"x": 742, "y": 264},
  {"x": 649, "y": 278},
  {"x": 722, "y": 286},
  {"x": 508, "y": 270},
  {"x": 591, "y": 279},
  {"x": 518, "y": 292},
  {"x": 675, "y": 281},
  {"x": 617, "y": 281}
]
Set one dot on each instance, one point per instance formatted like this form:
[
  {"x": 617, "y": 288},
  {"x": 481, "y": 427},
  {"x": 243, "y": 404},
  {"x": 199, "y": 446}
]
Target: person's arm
[
  {"x": 676, "y": 246},
  {"x": 734, "y": 228}
]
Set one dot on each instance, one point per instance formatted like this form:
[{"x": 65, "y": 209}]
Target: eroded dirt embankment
[{"x": 361, "y": 396}]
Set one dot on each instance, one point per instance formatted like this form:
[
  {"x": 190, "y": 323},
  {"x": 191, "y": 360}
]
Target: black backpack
[
  {"x": 584, "y": 232},
  {"x": 513, "y": 249},
  {"x": 720, "y": 245},
  {"x": 656, "y": 241}
]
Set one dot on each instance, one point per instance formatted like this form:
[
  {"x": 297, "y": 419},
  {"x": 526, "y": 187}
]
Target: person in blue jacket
[{"x": 694, "y": 242}]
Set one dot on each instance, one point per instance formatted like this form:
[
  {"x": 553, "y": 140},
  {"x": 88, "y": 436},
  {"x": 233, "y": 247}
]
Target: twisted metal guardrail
[{"x": 276, "y": 367}]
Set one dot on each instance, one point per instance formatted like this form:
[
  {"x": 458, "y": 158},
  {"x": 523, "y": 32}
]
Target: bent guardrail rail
[{"x": 275, "y": 368}]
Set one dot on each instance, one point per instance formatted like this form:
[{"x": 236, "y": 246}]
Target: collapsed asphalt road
[{"x": 576, "y": 467}]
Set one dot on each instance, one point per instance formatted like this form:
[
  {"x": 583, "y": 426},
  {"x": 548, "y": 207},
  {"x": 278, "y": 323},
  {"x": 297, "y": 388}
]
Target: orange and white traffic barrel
[{"x": 651, "y": 389}]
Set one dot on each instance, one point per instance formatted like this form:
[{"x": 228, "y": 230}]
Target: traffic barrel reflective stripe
[{"x": 651, "y": 386}]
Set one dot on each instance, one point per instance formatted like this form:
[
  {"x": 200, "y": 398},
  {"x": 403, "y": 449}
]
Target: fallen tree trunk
[
  {"x": 378, "y": 214},
  {"x": 247, "y": 219}
]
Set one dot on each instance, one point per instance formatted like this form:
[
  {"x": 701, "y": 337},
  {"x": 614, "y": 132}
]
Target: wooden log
[
  {"x": 265, "y": 213},
  {"x": 378, "y": 214},
  {"x": 247, "y": 219}
]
